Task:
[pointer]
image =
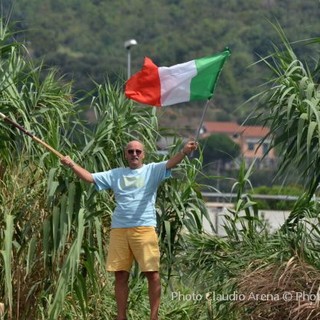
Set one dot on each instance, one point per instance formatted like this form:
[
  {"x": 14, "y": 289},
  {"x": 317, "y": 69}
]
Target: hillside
[{"x": 85, "y": 40}]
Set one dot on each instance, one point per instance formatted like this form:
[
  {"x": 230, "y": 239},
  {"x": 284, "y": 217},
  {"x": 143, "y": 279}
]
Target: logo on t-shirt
[{"x": 132, "y": 182}]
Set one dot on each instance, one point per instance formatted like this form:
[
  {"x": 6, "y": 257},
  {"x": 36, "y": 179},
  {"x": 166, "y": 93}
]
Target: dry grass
[{"x": 289, "y": 292}]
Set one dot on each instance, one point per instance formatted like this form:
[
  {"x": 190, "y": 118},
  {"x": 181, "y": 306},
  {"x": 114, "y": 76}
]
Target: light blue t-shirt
[{"x": 135, "y": 193}]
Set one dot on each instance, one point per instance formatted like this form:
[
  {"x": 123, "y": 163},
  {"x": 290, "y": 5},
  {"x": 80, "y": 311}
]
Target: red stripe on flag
[{"x": 144, "y": 86}]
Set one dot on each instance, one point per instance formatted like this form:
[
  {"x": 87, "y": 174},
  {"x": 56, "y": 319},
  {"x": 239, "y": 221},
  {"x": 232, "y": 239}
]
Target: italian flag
[{"x": 164, "y": 86}]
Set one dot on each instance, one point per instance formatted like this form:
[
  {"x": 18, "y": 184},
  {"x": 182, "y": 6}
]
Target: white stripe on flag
[{"x": 175, "y": 82}]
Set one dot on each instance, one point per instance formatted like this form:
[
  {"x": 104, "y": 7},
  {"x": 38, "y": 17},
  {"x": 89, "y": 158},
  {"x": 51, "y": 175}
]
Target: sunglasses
[{"x": 132, "y": 151}]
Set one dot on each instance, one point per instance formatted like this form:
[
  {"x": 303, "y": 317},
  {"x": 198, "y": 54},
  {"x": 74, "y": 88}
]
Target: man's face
[{"x": 134, "y": 153}]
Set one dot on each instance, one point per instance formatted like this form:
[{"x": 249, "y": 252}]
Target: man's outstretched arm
[{"x": 82, "y": 173}]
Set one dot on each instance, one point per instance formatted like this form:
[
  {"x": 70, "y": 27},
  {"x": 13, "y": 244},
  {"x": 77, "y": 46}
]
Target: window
[{"x": 250, "y": 146}]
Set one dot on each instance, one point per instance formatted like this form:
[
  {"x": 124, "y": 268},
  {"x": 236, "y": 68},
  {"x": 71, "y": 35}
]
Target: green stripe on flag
[{"x": 208, "y": 70}]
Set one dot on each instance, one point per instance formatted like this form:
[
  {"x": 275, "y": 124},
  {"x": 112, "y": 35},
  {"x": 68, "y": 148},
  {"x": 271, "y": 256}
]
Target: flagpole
[
  {"x": 201, "y": 123},
  {"x": 202, "y": 120}
]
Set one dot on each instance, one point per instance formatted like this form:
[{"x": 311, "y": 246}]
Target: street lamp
[{"x": 128, "y": 44}]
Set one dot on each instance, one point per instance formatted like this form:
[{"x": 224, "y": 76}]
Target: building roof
[
  {"x": 234, "y": 128},
  {"x": 222, "y": 127},
  {"x": 255, "y": 131}
]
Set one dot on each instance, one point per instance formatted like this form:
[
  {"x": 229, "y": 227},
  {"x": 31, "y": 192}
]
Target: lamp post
[{"x": 128, "y": 44}]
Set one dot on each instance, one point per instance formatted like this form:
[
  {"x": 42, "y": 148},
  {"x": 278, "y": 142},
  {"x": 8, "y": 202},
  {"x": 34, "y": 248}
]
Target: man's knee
[
  {"x": 152, "y": 276},
  {"x": 122, "y": 276}
]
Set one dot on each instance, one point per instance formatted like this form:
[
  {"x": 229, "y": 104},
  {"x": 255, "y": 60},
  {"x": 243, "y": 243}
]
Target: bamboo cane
[{"x": 57, "y": 153}]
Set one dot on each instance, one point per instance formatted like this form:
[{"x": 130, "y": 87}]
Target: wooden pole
[{"x": 57, "y": 153}]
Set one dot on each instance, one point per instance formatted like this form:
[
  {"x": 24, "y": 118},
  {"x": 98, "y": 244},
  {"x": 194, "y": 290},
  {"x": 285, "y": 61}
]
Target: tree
[{"x": 219, "y": 147}]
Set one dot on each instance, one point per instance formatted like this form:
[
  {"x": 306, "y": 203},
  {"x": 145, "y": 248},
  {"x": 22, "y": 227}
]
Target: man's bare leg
[
  {"x": 154, "y": 290},
  {"x": 122, "y": 293}
]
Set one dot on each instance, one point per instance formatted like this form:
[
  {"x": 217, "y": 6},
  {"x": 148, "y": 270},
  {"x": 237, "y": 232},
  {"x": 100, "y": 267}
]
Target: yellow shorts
[{"x": 127, "y": 244}]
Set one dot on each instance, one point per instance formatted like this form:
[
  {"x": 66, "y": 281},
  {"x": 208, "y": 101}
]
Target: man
[{"x": 133, "y": 234}]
